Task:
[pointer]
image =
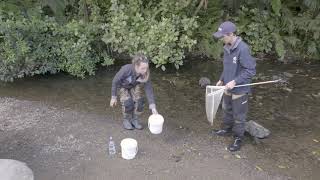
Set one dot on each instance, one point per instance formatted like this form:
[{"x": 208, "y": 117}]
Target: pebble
[
  {"x": 288, "y": 89},
  {"x": 289, "y": 75}
]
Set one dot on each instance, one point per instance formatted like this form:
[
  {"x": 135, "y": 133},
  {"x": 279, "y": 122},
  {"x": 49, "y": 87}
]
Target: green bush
[
  {"x": 77, "y": 55},
  {"x": 44, "y": 36},
  {"x": 28, "y": 47},
  {"x": 257, "y": 27},
  {"x": 40, "y": 45},
  {"x": 280, "y": 27},
  {"x": 164, "y": 38},
  {"x": 209, "y": 18}
]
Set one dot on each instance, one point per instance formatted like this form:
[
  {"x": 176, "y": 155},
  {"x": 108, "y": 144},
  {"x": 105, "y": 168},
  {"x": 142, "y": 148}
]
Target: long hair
[
  {"x": 139, "y": 58},
  {"x": 136, "y": 61}
]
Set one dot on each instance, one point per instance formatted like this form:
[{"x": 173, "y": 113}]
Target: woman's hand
[
  {"x": 154, "y": 111},
  {"x": 113, "y": 101}
]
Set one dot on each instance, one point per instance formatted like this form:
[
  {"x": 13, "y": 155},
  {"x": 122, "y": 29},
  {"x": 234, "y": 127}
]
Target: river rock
[
  {"x": 275, "y": 77},
  {"x": 316, "y": 95},
  {"x": 256, "y": 130},
  {"x": 287, "y": 89},
  {"x": 288, "y": 75},
  {"x": 204, "y": 81},
  {"x": 14, "y": 170},
  {"x": 259, "y": 97}
]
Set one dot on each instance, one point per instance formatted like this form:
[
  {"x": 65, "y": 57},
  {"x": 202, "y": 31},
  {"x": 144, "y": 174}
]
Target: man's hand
[
  {"x": 113, "y": 101},
  {"x": 230, "y": 85},
  {"x": 219, "y": 83}
]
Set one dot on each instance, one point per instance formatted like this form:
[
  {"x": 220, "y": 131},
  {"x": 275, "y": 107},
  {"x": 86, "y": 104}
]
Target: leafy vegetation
[{"x": 75, "y": 36}]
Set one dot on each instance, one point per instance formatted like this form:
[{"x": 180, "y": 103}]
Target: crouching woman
[{"x": 130, "y": 81}]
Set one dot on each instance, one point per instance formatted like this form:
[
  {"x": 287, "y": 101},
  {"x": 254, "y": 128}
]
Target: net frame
[{"x": 213, "y": 98}]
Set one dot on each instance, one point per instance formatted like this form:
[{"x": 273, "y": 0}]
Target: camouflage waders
[{"x": 132, "y": 103}]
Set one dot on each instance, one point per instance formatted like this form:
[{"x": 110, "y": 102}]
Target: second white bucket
[
  {"x": 129, "y": 148},
  {"x": 155, "y": 123}
]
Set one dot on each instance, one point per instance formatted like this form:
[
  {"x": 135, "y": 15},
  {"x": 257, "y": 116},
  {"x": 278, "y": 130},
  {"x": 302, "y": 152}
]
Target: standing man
[{"x": 238, "y": 68}]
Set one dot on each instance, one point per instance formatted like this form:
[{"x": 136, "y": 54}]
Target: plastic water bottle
[{"x": 112, "y": 147}]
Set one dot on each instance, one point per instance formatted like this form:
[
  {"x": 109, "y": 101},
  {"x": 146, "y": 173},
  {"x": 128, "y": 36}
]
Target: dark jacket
[
  {"x": 127, "y": 78},
  {"x": 238, "y": 65}
]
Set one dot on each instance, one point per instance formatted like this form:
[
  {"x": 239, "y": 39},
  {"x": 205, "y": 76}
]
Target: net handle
[
  {"x": 252, "y": 84},
  {"x": 258, "y": 83}
]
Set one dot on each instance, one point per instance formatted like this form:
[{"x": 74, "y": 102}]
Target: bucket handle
[{"x": 136, "y": 150}]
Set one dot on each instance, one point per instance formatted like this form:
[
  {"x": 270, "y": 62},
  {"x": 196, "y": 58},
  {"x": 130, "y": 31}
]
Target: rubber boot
[
  {"x": 126, "y": 122},
  {"x": 135, "y": 122}
]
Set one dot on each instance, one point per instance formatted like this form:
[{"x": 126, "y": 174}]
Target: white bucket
[
  {"x": 155, "y": 123},
  {"x": 129, "y": 148}
]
